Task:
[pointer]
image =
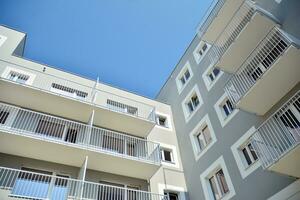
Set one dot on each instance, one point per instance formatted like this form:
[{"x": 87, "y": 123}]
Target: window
[
  {"x": 218, "y": 185},
  {"x": 68, "y": 91},
  {"x": 244, "y": 154},
  {"x": 18, "y": 77},
  {"x": 71, "y": 135},
  {"x": 172, "y": 195},
  {"x": 216, "y": 181},
  {"x": 49, "y": 128},
  {"x": 120, "y": 107},
  {"x": 162, "y": 121},
  {"x": 27, "y": 182},
  {"x": 183, "y": 77},
  {"x": 249, "y": 154},
  {"x": 202, "y": 137},
  {"x": 192, "y": 103},
  {"x": 211, "y": 76},
  {"x": 200, "y": 51},
  {"x": 166, "y": 155},
  {"x": 225, "y": 110}
]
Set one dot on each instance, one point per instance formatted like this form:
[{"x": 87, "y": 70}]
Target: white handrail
[
  {"x": 279, "y": 133},
  {"x": 33, "y": 185},
  {"x": 21, "y": 121},
  {"x": 257, "y": 64}
]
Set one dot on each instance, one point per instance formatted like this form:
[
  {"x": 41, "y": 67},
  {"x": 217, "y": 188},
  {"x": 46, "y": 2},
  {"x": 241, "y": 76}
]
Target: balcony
[
  {"x": 21, "y": 184},
  {"x": 270, "y": 71},
  {"x": 65, "y": 97},
  {"x": 240, "y": 36},
  {"x": 277, "y": 140},
  {"x": 216, "y": 18},
  {"x": 36, "y": 135}
]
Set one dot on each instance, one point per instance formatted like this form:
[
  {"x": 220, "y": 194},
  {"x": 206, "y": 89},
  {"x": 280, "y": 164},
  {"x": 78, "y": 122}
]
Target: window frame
[
  {"x": 205, "y": 176},
  {"x": 244, "y": 168},
  {"x": 205, "y": 76},
  {"x": 223, "y": 118},
  {"x": 188, "y": 114},
  {"x": 162, "y": 150},
  {"x": 172, "y": 148},
  {"x": 199, "y": 47},
  {"x": 198, "y": 153},
  {"x": 180, "y": 86}
]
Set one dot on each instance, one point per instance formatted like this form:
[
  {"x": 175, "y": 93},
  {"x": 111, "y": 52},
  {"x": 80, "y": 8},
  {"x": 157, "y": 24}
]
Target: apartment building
[
  {"x": 63, "y": 136},
  {"x": 235, "y": 100}
]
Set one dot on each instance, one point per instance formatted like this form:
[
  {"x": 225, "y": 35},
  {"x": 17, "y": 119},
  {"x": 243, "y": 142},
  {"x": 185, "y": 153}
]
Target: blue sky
[{"x": 131, "y": 44}]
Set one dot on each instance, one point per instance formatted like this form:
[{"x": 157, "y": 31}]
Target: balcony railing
[
  {"x": 209, "y": 16},
  {"x": 86, "y": 92},
  {"x": 279, "y": 134},
  {"x": 25, "y": 122},
  {"x": 257, "y": 64},
  {"x": 237, "y": 23},
  {"x": 32, "y": 185}
]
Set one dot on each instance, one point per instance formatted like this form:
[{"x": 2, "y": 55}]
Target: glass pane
[
  {"x": 246, "y": 156},
  {"x": 253, "y": 153},
  {"x": 167, "y": 155},
  {"x": 213, "y": 186},
  {"x": 206, "y": 134},
  {"x": 31, "y": 185},
  {"x": 225, "y": 109},
  {"x": 201, "y": 141},
  {"x": 190, "y": 106},
  {"x": 216, "y": 71},
  {"x": 195, "y": 100},
  {"x": 187, "y": 75},
  {"x": 60, "y": 190},
  {"x": 211, "y": 77},
  {"x": 223, "y": 184}
]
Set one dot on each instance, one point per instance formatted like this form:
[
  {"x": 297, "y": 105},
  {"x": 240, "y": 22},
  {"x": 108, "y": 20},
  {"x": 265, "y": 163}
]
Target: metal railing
[
  {"x": 21, "y": 121},
  {"x": 32, "y": 185},
  {"x": 71, "y": 88},
  {"x": 279, "y": 134},
  {"x": 236, "y": 24},
  {"x": 257, "y": 64}
]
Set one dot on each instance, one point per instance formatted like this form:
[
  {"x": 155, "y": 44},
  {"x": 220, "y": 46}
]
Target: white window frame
[
  {"x": 163, "y": 155},
  {"x": 162, "y": 187},
  {"x": 2, "y": 39},
  {"x": 8, "y": 70},
  {"x": 219, "y": 110},
  {"x": 168, "y": 121},
  {"x": 244, "y": 168},
  {"x": 208, "y": 83},
  {"x": 209, "y": 172},
  {"x": 173, "y": 149},
  {"x": 180, "y": 86},
  {"x": 187, "y": 114},
  {"x": 198, "y": 153},
  {"x": 196, "y": 54}
]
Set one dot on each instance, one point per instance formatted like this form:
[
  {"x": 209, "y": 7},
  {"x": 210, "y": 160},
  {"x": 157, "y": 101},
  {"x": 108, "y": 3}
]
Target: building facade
[
  {"x": 224, "y": 126},
  {"x": 63, "y": 136},
  {"x": 235, "y": 101}
]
